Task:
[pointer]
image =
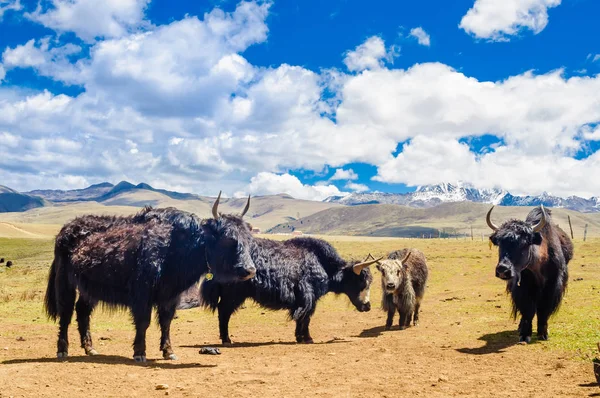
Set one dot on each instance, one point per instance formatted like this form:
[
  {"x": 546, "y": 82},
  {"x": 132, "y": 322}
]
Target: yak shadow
[
  {"x": 377, "y": 331},
  {"x": 494, "y": 343},
  {"x": 111, "y": 360},
  {"x": 262, "y": 344}
]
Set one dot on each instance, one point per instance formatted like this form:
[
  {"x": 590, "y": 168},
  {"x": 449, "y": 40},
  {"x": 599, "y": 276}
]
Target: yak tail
[
  {"x": 210, "y": 292},
  {"x": 50, "y": 302}
]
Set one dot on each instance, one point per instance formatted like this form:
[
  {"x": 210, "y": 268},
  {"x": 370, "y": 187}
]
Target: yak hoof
[
  {"x": 171, "y": 357},
  {"x": 388, "y": 327},
  {"x": 140, "y": 358},
  {"x": 524, "y": 340},
  {"x": 543, "y": 337},
  {"x": 62, "y": 355},
  {"x": 308, "y": 341},
  {"x": 227, "y": 343},
  {"x": 92, "y": 352},
  {"x": 402, "y": 327}
]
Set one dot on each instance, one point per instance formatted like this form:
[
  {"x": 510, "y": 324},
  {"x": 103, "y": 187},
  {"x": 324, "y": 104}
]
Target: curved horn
[
  {"x": 216, "y": 207},
  {"x": 538, "y": 227},
  {"x": 488, "y": 219},
  {"x": 406, "y": 257},
  {"x": 247, "y": 207},
  {"x": 360, "y": 266}
]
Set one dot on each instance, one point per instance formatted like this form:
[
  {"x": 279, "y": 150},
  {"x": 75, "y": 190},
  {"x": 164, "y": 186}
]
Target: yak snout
[
  {"x": 245, "y": 273},
  {"x": 504, "y": 271},
  {"x": 365, "y": 307},
  {"x": 390, "y": 287}
]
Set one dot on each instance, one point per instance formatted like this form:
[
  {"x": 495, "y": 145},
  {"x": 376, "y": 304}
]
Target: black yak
[
  {"x": 140, "y": 262},
  {"x": 403, "y": 280},
  {"x": 291, "y": 275},
  {"x": 532, "y": 259}
]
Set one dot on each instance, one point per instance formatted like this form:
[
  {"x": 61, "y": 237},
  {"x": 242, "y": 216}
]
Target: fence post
[
  {"x": 585, "y": 232},
  {"x": 570, "y": 226}
]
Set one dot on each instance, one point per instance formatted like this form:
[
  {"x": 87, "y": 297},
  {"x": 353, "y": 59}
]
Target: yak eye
[{"x": 398, "y": 272}]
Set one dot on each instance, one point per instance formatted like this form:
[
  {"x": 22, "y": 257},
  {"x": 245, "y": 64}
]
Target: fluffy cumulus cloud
[
  {"x": 372, "y": 54},
  {"x": 497, "y": 20},
  {"x": 422, "y": 37},
  {"x": 356, "y": 187},
  {"x": 91, "y": 19},
  {"x": 341, "y": 174},
  {"x": 269, "y": 184},
  {"x": 178, "y": 105}
]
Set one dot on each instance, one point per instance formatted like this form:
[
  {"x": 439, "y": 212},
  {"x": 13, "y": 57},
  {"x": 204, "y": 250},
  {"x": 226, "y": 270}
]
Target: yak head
[
  {"x": 357, "y": 284},
  {"x": 517, "y": 241},
  {"x": 392, "y": 273},
  {"x": 228, "y": 239}
]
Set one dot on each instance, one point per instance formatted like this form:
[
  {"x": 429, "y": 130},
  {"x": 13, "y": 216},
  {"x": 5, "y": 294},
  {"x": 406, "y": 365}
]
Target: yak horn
[
  {"x": 216, "y": 207},
  {"x": 360, "y": 266},
  {"x": 488, "y": 219},
  {"x": 247, "y": 207},
  {"x": 538, "y": 227},
  {"x": 369, "y": 256},
  {"x": 406, "y": 257}
]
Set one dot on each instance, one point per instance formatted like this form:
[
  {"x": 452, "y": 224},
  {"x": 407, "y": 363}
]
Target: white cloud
[
  {"x": 596, "y": 58},
  {"x": 91, "y": 19},
  {"x": 428, "y": 161},
  {"x": 2, "y": 73},
  {"x": 357, "y": 187},
  {"x": 497, "y": 20},
  {"x": 46, "y": 60},
  {"x": 9, "y": 5},
  {"x": 180, "y": 106},
  {"x": 271, "y": 184},
  {"x": 341, "y": 174},
  {"x": 422, "y": 37},
  {"x": 372, "y": 54}
]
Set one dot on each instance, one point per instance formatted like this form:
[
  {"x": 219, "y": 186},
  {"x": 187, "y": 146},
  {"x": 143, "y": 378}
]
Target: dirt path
[{"x": 351, "y": 358}]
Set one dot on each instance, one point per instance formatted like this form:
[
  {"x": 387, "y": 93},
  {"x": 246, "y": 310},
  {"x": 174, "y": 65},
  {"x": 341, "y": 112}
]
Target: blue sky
[{"x": 306, "y": 97}]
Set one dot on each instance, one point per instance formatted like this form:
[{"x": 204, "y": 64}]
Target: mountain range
[{"x": 434, "y": 195}]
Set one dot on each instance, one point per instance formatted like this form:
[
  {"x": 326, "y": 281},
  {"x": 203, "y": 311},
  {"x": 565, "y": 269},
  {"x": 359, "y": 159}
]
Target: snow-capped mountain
[{"x": 433, "y": 195}]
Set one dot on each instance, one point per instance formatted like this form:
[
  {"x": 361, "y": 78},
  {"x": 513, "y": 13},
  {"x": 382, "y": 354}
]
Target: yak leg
[
  {"x": 66, "y": 306},
  {"x": 141, "y": 319},
  {"x": 527, "y": 311},
  {"x": 416, "y": 315},
  {"x": 402, "y": 322},
  {"x": 299, "y": 331},
  {"x": 390, "y": 318},
  {"x": 409, "y": 316},
  {"x": 165, "y": 316},
  {"x": 84, "y": 310},
  {"x": 228, "y": 304},
  {"x": 306, "y": 339}
]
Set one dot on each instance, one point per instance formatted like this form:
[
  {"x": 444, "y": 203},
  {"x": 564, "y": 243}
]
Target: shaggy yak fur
[
  {"x": 291, "y": 275},
  {"x": 403, "y": 285},
  {"x": 140, "y": 262},
  {"x": 534, "y": 265}
]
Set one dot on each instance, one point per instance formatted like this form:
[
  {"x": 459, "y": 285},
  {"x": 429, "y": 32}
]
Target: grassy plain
[{"x": 465, "y": 327}]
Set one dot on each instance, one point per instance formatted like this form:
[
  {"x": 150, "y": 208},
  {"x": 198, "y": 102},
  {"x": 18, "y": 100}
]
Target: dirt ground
[{"x": 464, "y": 346}]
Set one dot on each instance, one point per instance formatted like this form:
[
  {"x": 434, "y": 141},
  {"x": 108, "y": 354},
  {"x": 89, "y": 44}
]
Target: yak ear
[
  {"x": 379, "y": 268},
  {"x": 493, "y": 240},
  {"x": 537, "y": 238}
]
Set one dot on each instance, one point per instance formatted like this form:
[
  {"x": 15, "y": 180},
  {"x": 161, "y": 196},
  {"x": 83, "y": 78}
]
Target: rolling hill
[
  {"x": 11, "y": 200},
  {"x": 448, "y": 219}
]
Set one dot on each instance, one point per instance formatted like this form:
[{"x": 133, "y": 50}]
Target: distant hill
[
  {"x": 89, "y": 193},
  {"x": 13, "y": 201},
  {"x": 434, "y": 195},
  {"x": 104, "y": 191},
  {"x": 448, "y": 219}
]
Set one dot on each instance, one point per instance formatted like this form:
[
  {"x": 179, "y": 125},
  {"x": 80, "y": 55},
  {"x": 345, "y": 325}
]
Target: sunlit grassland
[{"x": 463, "y": 295}]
